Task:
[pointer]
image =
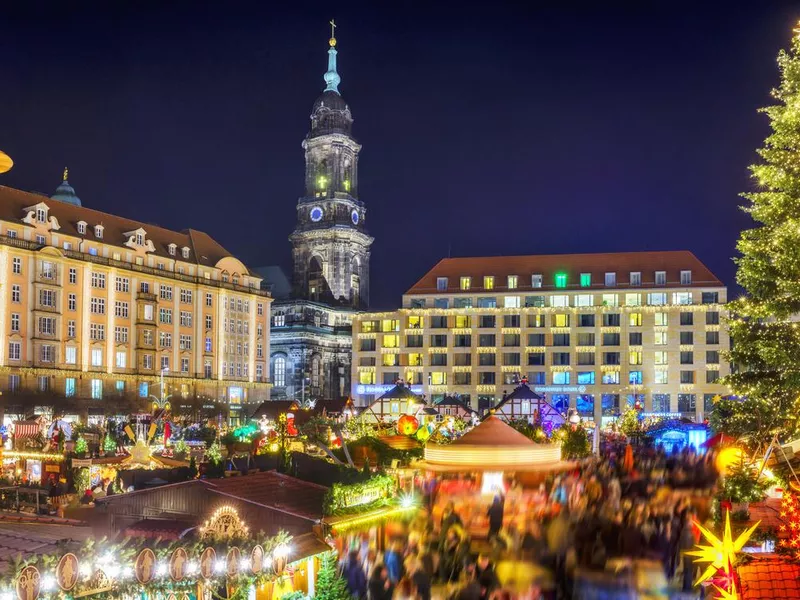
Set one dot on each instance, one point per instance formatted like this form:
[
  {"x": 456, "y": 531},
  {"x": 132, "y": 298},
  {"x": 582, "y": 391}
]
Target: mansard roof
[
  {"x": 203, "y": 249},
  {"x": 548, "y": 265}
]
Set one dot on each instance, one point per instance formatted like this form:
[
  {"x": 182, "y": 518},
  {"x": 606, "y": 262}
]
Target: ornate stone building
[{"x": 311, "y": 335}]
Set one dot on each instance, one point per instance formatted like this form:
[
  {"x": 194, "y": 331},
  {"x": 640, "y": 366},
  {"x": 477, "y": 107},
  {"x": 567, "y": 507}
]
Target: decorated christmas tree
[
  {"x": 81, "y": 447},
  {"x": 109, "y": 443},
  {"x": 330, "y": 585},
  {"x": 765, "y": 336}
]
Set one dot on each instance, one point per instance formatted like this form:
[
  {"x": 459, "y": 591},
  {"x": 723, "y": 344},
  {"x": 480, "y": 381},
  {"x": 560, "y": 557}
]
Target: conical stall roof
[{"x": 493, "y": 446}]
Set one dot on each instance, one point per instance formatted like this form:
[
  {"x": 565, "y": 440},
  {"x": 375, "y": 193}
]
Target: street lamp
[{"x": 163, "y": 401}]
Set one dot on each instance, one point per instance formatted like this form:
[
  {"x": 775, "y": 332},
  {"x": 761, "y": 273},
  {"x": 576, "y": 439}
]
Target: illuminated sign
[
  {"x": 559, "y": 389},
  {"x": 382, "y": 389}
]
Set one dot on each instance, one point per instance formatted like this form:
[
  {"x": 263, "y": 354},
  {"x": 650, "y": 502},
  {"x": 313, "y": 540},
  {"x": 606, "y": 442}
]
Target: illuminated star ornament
[{"x": 720, "y": 554}]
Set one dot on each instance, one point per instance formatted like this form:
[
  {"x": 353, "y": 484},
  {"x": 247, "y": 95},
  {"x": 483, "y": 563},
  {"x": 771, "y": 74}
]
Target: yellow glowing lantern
[
  {"x": 727, "y": 458},
  {"x": 5, "y": 162}
]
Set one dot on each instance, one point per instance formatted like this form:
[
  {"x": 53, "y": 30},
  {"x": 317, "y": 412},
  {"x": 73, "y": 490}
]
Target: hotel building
[
  {"x": 94, "y": 306},
  {"x": 590, "y": 331}
]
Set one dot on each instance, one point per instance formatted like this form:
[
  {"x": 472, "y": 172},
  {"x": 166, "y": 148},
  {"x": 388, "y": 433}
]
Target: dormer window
[
  {"x": 140, "y": 239},
  {"x": 41, "y": 214},
  {"x": 98, "y": 232},
  {"x": 82, "y": 227},
  {"x": 185, "y": 252},
  {"x": 171, "y": 249}
]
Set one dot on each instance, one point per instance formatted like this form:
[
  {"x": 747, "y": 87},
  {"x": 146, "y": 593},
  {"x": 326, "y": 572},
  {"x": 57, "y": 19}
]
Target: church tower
[{"x": 330, "y": 245}]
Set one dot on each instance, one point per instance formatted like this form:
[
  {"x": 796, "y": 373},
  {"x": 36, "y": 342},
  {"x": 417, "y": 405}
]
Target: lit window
[
  {"x": 513, "y": 282},
  {"x": 98, "y": 231},
  {"x": 121, "y": 361},
  {"x": 610, "y": 300},
  {"x": 97, "y": 389},
  {"x": 561, "y": 378},
  {"x": 682, "y": 298},
  {"x": 69, "y": 387},
  {"x": 438, "y": 378},
  {"x": 560, "y": 320},
  {"x": 97, "y": 357},
  {"x": 635, "y": 357},
  {"x": 511, "y": 302},
  {"x": 279, "y": 371},
  {"x": 635, "y": 320},
  {"x": 661, "y": 319},
  {"x": 561, "y": 280},
  {"x": 584, "y": 300},
  {"x": 656, "y": 298},
  {"x": 536, "y": 280},
  {"x": 661, "y": 377},
  {"x": 633, "y": 299},
  {"x": 586, "y": 280},
  {"x": 660, "y": 338},
  {"x": 465, "y": 283},
  {"x": 660, "y": 357},
  {"x": 488, "y": 282},
  {"x": 559, "y": 301}
]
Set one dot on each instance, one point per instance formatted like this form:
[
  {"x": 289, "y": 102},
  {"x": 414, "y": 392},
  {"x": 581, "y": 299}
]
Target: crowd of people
[{"x": 621, "y": 505}]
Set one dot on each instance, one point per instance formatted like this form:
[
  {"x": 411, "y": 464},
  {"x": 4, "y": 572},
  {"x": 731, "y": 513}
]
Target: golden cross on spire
[
  {"x": 66, "y": 173},
  {"x": 332, "y": 41}
]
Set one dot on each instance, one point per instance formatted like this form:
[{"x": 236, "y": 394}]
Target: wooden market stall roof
[
  {"x": 770, "y": 577},
  {"x": 25, "y": 539}
]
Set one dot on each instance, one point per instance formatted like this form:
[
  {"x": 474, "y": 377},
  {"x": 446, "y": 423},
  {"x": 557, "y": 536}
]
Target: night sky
[{"x": 487, "y": 128}]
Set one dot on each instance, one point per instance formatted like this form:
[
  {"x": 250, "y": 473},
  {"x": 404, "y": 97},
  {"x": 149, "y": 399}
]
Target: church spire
[{"x": 331, "y": 77}]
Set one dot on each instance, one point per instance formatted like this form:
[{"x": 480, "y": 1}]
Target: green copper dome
[{"x": 66, "y": 193}]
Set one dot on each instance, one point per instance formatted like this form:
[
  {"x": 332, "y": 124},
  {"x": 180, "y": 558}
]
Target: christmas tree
[
  {"x": 81, "y": 447},
  {"x": 330, "y": 585},
  {"x": 765, "y": 339},
  {"x": 109, "y": 443}
]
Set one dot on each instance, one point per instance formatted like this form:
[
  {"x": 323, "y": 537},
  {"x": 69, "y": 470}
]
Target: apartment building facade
[
  {"x": 97, "y": 306},
  {"x": 593, "y": 332}
]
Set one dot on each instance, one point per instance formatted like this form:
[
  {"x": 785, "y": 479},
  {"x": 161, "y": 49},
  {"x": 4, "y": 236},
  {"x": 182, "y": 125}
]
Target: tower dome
[
  {"x": 65, "y": 192},
  {"x": 330, "y": 113}
]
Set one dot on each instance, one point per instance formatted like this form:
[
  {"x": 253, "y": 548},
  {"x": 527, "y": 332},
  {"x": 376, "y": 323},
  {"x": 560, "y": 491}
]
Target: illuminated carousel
[{"x": 491, "y": 459}]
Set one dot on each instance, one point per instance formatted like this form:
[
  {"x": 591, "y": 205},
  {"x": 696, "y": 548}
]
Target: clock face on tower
[
  {"x": 316, "y": 214},
  {"x": 354, "y": 217}
]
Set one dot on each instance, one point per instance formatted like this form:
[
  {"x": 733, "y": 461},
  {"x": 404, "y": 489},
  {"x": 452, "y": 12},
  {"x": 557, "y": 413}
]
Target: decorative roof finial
[
  {"x": 66, "y": 173},
  {"x": 331, "y": 77}
]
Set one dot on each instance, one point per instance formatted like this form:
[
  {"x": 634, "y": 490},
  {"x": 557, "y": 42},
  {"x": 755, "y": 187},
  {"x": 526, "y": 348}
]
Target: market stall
[{"x": 490, "y": 460}]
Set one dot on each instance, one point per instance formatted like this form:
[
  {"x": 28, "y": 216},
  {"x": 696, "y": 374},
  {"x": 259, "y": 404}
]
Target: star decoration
[{"x": 720, "y": 553}]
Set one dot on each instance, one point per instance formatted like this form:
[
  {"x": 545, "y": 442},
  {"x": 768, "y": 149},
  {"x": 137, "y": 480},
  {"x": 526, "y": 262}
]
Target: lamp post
[{"x": 161, "y": 402}]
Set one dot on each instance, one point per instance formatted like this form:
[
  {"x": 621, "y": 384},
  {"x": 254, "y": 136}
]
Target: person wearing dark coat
[
  {"x": 487, "y": 577},
  {"x": 495, "y": 514},
  {"x": 380, "y": 588},
  {"x": 354, "y": 574}
]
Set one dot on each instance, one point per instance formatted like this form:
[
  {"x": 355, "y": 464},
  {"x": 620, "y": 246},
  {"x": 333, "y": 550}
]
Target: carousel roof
[
  {"x": 493, "y": 446},
  {"x": 494, "y": 432}
]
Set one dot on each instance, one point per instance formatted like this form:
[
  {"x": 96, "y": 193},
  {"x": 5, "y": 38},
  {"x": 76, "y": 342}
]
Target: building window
[
  {"x": 682, "y": 298},
  {"x": 14, "y": 321},
  {"x": 561, "y": 280},
  {"x": 121, "y": 335},
  {"x": 97, "y": 389},
  {"x": 69, "y": 387},
  {"x": 536, "y": 280},
  {"x": 98, "y": 306},
  {"x": 97, "y": 357},
  {"x": 441, "y": 284},
  {"x": 121, "y": 359},
  {"x": 121, "y": 309},
  {"x": 635, "y": 319},
  {"x": 47, "y": 353},
  {"x": 70, "y": 355},
  {"x": 165, "y": 363},
  {"x": 14, "y": 350},
  {"x": 165, "y": 315},
  {"x": 98, "y": 231},
  {"x": 16, "y": 266},
  {"x": 279, "y": 371},
  {"x": 185, "y": 252},
  {"x": 710, "y": 298},
  {"x": 73, "y": 275},
  {"x": 488, "y": 282},
  {"x": 661, "y": 278},
  {"x": 586, "y": 280},
  {"x": 165, "y": 292},
  {"x": 99, "y": 280},
  {"x": 185, "y": 318},
  {"x": 209, "y": 299},
  {"x": 186, "y": 296},
  {"x": 279, "y": 319},
  {"x": 712, "y": 337},
  {"x": 686, "y": 278},
  {"x": 184, "y": 365},
  {"x": 635, "y": 377},
  {"x": 656, "y": 299},
  {"x": 559, "y": 301},
  {"x": 465, "y": 283},
  {"x": 687, "y": 377},
  {"x": 97, "y": 331},
  {"x": 513, "y": 282},
  {"x": 16, "y": 293}
]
